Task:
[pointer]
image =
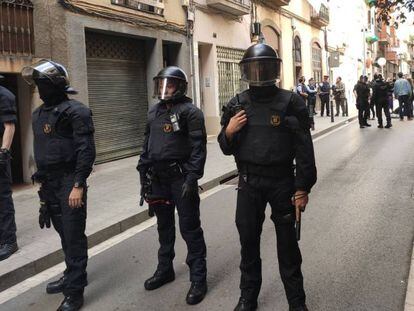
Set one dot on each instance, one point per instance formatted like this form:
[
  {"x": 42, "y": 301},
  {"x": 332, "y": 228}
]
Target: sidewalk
[{"x": 113, "y": 199}]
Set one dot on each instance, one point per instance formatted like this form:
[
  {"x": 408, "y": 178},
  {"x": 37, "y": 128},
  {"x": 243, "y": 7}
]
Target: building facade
[{"x": 112, "y": 50}]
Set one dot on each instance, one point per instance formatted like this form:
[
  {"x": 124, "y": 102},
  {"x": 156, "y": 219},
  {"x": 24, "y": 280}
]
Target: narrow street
[{"x": 357, "y": 236}]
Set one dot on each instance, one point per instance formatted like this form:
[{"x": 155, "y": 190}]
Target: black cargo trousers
[
  {"x": 169, "y": 186},
  {"x": 70, "y": 225},
  {"x": 254, "y": 192},
  {"x": 7, "y": 221}
]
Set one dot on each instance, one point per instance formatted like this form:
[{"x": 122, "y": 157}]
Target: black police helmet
[
  {"x": 260, "y": 65},
  {"x": 170, "y": 84}
]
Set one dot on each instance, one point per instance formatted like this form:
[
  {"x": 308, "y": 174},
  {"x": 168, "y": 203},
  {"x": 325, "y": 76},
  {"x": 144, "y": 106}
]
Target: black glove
[
  {"x": 145, "y": 187},
  {"x": 44, "y": 216},
  {"x": 189, "y": 190}
]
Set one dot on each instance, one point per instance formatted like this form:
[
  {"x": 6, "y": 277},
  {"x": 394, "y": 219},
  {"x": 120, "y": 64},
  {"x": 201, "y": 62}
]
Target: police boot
[
  {"x": 197, "y": 292},
  {"x": 380, "y": 126},
  {"x": 299, "y": 308},
  {"x": 55, "y": 286},
  {"x": 389, "y": 125},
  {"x": 6, "y": 250},
  {"x": 159, "y": 279},
  {"x": 71, "y": 303},
  {"x": 246, "y": 305},
  {"x": 367, "y": 124}
]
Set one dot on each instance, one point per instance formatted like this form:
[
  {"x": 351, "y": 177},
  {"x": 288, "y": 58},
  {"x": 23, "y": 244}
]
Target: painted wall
[{"x": 212, "y": 30}]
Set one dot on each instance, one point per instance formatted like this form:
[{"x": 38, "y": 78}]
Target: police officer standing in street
[
  {"x": 362, "y": 92},
  {"x": 172, "y": 160},
  {"x": 8, "y": 118},
  {"x": 380, "y": 91},
  {"x": 266, "y": 128},
  {"x": 324, "y": 95},
  {"x": 64, "y": 151}
]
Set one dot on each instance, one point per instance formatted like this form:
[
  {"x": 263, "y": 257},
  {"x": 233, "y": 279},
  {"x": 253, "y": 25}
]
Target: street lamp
[{"x": 382, "y": 61}]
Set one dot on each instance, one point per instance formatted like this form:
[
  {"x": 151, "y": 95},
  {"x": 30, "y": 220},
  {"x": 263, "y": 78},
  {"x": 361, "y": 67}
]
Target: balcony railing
[
  {"x": 384, "y": 37},
  {"x": 233, "y": 7},
  {"x": 16, "y": 27},
  {"x": 320, "y": 18},
  {"x": 148, "y": 6},
  {"x": 277, "y": 3}
]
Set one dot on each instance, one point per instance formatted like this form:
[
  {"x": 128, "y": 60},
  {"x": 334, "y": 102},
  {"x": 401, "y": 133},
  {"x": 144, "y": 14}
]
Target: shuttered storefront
[
  {"x": 229, "y": 73},
  {"x": 117, "y": 89}
]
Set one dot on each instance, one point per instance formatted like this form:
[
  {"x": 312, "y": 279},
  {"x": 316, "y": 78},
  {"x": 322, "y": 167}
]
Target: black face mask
[{"x": 49, "y": 93}]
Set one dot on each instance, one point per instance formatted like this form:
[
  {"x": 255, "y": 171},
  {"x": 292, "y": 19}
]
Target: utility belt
[
  {"x": 53, "y": 171},
  {"x": 167, "y": 170},
  {"x": 274, "y": 171}
]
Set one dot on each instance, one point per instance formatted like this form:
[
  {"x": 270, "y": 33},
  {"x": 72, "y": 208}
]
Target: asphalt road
[{"x": 357, "y": 236}]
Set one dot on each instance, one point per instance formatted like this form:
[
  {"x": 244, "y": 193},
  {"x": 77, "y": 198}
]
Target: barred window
[
  {"x": 229, "y": 74},
  {"x": 317, "y": 62},
  {"x": 297, "y": 50}
]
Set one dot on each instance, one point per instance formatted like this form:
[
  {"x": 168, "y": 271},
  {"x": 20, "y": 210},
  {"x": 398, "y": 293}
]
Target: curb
[
  {"x": 20, "y": 274},
  {"x": 409, "y": 297}
]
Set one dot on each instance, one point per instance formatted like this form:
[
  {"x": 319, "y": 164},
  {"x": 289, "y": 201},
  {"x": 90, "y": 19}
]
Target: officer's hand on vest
[
  {"x": 236, "y": 123},
  {"x": 189, "y": 189},
  {"x": 300, "y": 200},
  {"x": 75, "y": 197}
]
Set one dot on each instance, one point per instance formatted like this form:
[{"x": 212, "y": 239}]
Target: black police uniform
[
  {"x": 276, "y": 133},
  {"x": 325, "y": 90},
  {"x": 380, "y": 98},
  {"x": 175, "y": 158},
  {"x": 7, "y": 221},
  {"x": 64, "y": 151},
  {"x": 363, "y": 91}
]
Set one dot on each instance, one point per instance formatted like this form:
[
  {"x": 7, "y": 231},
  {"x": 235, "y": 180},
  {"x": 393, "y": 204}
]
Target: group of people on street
[
  {"x": 380, "y": 94},
  {"x": 265, "y": 128},
  {"x": 324, "y": 90}
]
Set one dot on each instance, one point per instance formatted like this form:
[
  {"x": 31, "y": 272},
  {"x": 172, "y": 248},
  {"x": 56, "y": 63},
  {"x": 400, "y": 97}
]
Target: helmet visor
[
  {"x": 168, "y": 88},
  {"x": 260, "y": 72},
  {"x": 42, "y": 69}
]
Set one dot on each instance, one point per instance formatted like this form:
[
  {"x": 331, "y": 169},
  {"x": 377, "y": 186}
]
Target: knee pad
[{"x": 287, "y": 219}]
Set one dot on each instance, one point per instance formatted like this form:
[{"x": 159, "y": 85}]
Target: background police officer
[
  {"x": 324, "y": 95},
  {"x": 266, "y": 128},
  {"x": 380, "y": 91},
  {"x": 362, "y": 92},
  {"x": 8, "y": 244},
  {"x": 64, "y": 151},
  {"x": 173, "y": 157}
]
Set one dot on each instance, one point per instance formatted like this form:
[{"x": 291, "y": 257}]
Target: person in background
[
  {"x": 403, "y": 92},
  {"x": 324, "y": 92},
  {"x": 302, "y": 89},
  {"x": 371, "y": 102},
  {"x": 379, "y": 94},
  {"x": 339, "y": 95},
  {"x": 312, "y": 91},
  {"x": 362, "y": 92}
]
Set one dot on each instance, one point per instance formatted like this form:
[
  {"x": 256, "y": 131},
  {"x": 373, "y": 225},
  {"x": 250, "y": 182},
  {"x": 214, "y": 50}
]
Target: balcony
[
  {"x": 384, "y": 38},
  {"x": 321, "y": 18},
  {"x": 391, "y": 56},
  {"x": 233, "y": 7},
  {"x": 277, "y": 3}
]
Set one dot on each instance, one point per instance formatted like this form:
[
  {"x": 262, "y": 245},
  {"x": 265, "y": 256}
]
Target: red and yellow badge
[
  {"x": 47, "y": 129},
  {"x": 275, "y": 120},
  {"x": 168, "y": 128}
]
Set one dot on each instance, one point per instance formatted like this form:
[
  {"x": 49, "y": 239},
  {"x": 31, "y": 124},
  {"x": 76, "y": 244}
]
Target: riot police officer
[
  {"x": 172, "y": 160},
  {"x": 8, "y": 244},
  {"x": 266, "y": 128},
  {"x": 64, "y": 152},
  {"x": 380, "y": 91}
]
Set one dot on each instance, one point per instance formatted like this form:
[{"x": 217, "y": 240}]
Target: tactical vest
[
  {"x": 163, "y": 143},
  {"x": 326, "y": 87},
  {"x": 265, "y": 139},
  {"x": 50, "y": 146}
]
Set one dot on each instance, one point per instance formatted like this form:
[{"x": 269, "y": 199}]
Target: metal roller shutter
[{"x": 117, "y": 89}]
